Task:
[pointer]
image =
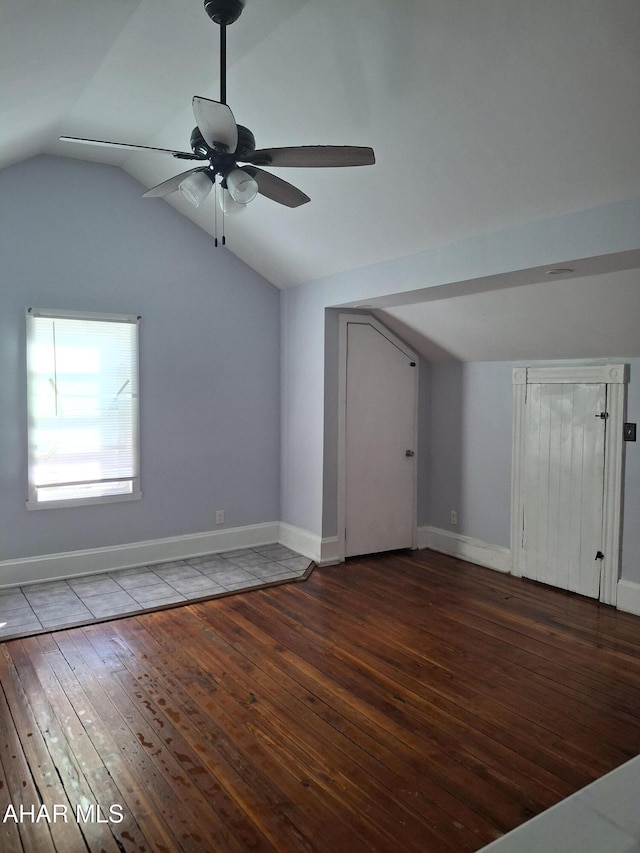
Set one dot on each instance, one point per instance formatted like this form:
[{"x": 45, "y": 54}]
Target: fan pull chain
[
  {"x": 215, "y": 216},
  {"x": 222, "y": 196},
  {"x": 215, "y": 213}
]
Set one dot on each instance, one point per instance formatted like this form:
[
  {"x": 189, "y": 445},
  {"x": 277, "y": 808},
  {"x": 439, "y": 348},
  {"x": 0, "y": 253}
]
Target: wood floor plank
[
  {"x": 400, "y": 701},
  {"x": 143, "y": 755},
  {"x": 22, "y": 787},
  {"x": 345, "y": 713},
  {"x": 187, "y": 696},
  {"x": 501, "y": 724},
  {"x": 306, "y": 706},
  {"x": 118, "y": 756},
  {"x": 223, "y": 709},
  {"x": 474, "y": 623},
  {"x": 356, "y": 749},
  {"x": 73, "y": 721},
  {"x": 284, "y": 721},
  {"x": 65, "y": 763},
  {"x": 375, "y": 700}
]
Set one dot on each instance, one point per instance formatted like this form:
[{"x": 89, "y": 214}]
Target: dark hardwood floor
[{"x": 405, "y": 702}]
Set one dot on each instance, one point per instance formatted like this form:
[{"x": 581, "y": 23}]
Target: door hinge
[{"x": 603, "y": 415}]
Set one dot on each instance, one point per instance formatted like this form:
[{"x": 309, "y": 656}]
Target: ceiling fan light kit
[
  {"x": 195, "y": 188},
  {"x": 242, "y": 186},
  {"x": 227, "y": 152},
  {"x": 228, "y": 205}
]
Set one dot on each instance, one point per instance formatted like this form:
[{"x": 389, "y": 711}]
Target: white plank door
[
  {"x": 380, "y": 443},
  {"x": 562, "y": 512}
]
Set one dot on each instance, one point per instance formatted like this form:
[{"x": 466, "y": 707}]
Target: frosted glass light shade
[
  {"x": 196, "y": 188},
  {"x": 242, "y": 186},
  {"x": 230, "y": 207}
]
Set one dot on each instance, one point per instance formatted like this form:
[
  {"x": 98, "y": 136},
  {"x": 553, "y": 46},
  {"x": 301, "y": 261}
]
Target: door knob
[{"x": 409, "y": 453}]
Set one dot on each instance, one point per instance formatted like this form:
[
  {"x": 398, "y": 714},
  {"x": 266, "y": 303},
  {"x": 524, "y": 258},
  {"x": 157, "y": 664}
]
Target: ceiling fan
[{"x": 227, "y": 150}]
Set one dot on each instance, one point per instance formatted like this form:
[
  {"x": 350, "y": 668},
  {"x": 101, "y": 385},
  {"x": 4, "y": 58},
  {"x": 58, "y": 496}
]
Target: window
[{"x": 82, "y": 384}]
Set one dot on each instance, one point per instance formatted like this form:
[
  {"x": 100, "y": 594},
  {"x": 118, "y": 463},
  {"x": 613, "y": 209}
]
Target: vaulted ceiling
[
  {"x": 484, "y": 114},
  {"x": 594, "y": 317}
]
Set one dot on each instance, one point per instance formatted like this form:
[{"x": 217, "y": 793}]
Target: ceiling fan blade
[
  {"x": 180, "y": 155},
  {"x": 172, "y": 184},
  {"x": 313, "y": 156},
  {"x": 216, "y": 123},
  {"x": 276, "y": 189}
]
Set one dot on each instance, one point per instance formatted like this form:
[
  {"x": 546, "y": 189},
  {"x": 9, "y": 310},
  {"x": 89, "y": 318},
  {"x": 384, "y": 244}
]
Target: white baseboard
[
  {"x": 330, "y": 552},
  {"x": 303, "y": 541},
  {"x": 499, "y": 558},
  {"x": 96, "y": 560},
  {"x": 465, "y": 548},
  {"x": 628, "y": 598},
  {"x": 324, "y": 552}
]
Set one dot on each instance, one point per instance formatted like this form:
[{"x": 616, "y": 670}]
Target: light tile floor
[
  {"x": 601, "y": 818},
  {"x": 46, "y": 606}
]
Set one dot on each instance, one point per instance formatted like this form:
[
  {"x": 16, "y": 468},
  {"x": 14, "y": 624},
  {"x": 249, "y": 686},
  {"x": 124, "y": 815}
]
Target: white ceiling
[
  {"x": 484, "y": 114},
  {"x": 568, "y": 318}
]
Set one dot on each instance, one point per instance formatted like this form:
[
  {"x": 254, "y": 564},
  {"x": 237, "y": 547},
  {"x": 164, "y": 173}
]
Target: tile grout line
[{"x": 72, "y": 598}]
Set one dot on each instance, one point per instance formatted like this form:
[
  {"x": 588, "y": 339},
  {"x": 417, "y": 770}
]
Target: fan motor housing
[
  {"x": 198, "y": 145},
  {"x": 246, "y": 142},
  {"x": 224, "y": 11}
]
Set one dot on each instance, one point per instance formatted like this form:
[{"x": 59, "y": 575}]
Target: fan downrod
[{"x": 224, "y": 12}]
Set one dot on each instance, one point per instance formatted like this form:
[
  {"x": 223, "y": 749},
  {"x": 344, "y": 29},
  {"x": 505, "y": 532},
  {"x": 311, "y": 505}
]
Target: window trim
[{"x": 136, "y": 493}]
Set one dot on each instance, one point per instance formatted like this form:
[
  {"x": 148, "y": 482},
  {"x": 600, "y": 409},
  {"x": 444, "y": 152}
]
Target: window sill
[{"x": 106, "y": 499}]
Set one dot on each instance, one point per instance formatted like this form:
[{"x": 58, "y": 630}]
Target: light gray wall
[
  {"x": 470, "y": 454},
  {"x": 470, "y": 449},
  {"x": 465, "y": 446},
  {"x": 302, "y": 353},
  {"x": 75, "y": 235},
  {"x": 308, "y": 457}
]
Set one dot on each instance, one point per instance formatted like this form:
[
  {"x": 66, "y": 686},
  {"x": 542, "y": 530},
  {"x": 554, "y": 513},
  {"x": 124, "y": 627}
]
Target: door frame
[
  {"x": 343, "y": 323},
  {"x": 616, "y": 377}
]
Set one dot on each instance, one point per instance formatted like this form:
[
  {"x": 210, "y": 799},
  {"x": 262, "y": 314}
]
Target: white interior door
[
  {"x": 563, "y": 485},
  {"x": 380, "y": 443}
]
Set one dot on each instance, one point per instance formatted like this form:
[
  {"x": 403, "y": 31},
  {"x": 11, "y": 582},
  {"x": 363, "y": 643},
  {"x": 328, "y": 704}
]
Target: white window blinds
[{"x": 82, "y": 378}]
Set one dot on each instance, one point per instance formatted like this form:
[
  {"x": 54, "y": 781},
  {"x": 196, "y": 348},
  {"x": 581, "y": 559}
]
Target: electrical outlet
[
  {"x": 220, "y": 516},
  {"x": 454, "y": 516}
]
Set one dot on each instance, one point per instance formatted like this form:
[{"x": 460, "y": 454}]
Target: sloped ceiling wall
[
  {"x": 561, "y": 318},
  {"x": 484, "y": 115}
]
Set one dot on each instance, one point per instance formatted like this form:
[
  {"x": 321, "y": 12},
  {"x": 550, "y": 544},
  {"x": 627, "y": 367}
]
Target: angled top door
[{"x": 380, "y": 445}]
